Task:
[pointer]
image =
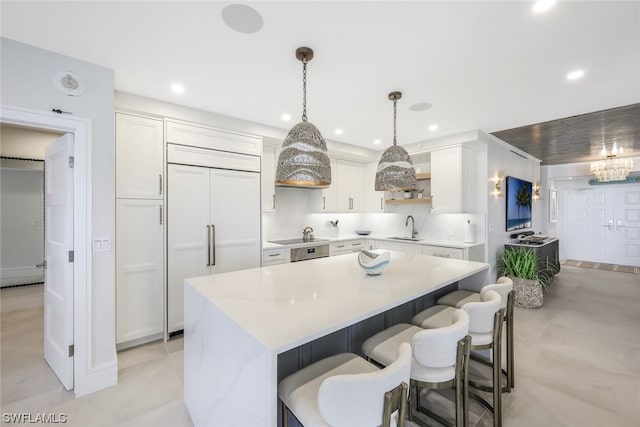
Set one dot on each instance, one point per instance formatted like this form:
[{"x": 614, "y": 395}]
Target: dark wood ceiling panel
[{"x": 579, "y": 138}]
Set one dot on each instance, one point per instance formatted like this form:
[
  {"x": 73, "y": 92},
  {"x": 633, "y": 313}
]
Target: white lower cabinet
[
  {"x": 444, "y": 252},
  {"x": 399, "y": 246},
  {"x": 346, "y": 247},
  {"x": 276, "y": 256},
  {"x": 213, "y": 220},
  {"x": 140, "y": 270}
]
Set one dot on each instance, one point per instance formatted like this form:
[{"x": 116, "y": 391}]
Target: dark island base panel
[{"x": 350, "y": 339}]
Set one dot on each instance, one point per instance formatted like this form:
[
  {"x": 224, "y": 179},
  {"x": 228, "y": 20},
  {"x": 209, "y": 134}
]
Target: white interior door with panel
[
  {"x": 58, "y": 282},
  {"x": 140, "y": 269},
  {"x": 589, "y": 220},
  {"x": 627, "y": 225},
  {"x": 139, "y": 157}
]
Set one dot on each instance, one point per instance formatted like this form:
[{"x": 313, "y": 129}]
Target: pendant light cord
[
  {"x": 395, "y": 114},
  {"x": 304, "y": 89}
]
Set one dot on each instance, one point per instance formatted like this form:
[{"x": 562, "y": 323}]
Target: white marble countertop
[
  {"x": 284, "y": 306},
  {"x": 347, "y": 237}
]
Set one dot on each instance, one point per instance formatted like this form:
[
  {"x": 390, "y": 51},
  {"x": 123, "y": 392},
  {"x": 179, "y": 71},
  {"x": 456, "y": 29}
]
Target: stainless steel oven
[{"x": 309, "y": 252}]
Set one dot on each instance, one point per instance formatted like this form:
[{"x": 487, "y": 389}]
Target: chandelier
[
  {"x": 395, "y": 168},
  {"x": 303, "y": 161},
  {"x": 612, "y": 168}
]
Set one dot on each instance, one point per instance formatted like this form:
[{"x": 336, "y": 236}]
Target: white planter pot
[{"x": 528, "y": 293}]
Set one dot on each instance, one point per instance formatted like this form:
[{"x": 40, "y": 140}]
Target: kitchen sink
[{"x": 412, "y": 239}]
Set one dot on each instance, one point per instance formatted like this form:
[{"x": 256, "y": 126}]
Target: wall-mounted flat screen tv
[{"x": 518, "y": 203}]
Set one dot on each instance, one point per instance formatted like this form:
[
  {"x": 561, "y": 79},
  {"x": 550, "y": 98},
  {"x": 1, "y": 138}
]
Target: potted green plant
[{"x": 529, "y": 281}]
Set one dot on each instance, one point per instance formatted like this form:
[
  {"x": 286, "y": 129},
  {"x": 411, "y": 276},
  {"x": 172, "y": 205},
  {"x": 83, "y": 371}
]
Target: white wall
[
  {"x": 502, "y": 162},
  {"x": 21, "y": 244},
  {"x": 27, "y": 82}
]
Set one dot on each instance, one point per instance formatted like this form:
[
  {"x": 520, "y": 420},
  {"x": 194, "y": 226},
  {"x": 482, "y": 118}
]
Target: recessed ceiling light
[
  {"x": 433, "y": 128},
  {"x": 575, "y": 75},
  {"x": 339, "y": 131},
  {"x": 420, "y": 106},
  {"x": 286, "y": 117},
  {"x": 242, "y": 18},
  {"x": 177, "y": 88},
  {"x": 377, "y": 141},
  {"x": 543, "y": 5}
]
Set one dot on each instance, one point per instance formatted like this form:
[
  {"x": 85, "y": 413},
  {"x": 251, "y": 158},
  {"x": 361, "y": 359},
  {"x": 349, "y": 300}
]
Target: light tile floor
[{"x": 578, "y": 364}]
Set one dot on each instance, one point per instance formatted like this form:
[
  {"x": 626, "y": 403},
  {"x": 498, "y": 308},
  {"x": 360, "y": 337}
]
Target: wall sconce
[
  {"x": 497, "y": 191},
  {"x": 536, "y": 192}
]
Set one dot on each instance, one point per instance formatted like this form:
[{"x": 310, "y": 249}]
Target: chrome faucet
[
  {"x": 414, "y": 232},
  {"x": 307, "y": 234}
]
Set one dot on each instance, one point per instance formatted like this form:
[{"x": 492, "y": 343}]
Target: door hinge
[
  {"x": 70, "y": 256},
  {"x": 71, "y": 350},
  {"x": 71, "y": 161}
]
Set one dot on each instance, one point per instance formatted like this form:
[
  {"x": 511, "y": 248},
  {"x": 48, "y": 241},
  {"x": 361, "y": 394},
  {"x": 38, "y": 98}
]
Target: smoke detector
[{"x": 69, "y": 83}]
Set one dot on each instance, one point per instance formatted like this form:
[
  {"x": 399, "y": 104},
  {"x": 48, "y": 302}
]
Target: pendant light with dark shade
[
  {"x": 303, "y": 161},
  {"x": 395, "y": 168}
]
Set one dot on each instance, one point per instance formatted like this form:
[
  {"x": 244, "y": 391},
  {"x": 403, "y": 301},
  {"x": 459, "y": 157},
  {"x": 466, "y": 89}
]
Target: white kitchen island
[{"x": 236, "y": 324}]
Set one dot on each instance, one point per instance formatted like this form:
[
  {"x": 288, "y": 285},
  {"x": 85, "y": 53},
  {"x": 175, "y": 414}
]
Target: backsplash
[{"x": 293, "y": 213}]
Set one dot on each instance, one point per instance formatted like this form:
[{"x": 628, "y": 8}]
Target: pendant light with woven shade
[
  {"x": 395, "y": 168},
  {"x": 303, "y": 161}
]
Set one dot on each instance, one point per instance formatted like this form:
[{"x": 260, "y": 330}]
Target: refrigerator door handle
[
  {"x": 208, "y": 245},
  {"x": 213, "y": 244}
]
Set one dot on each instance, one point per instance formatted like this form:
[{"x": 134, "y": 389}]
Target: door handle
[
  {"x": 160, "y": 183},
  {"x": 160, "y": 214},
  {"x": 619, "y": 225},
  {"x": 213, "y": 244},
  {"x": 208, "y": 245}
]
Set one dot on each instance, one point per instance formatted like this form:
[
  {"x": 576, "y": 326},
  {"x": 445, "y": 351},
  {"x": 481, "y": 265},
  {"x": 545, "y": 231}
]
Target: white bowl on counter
[
  {"x": 363, "y": 232},
  {"x": 373, "y": 263}
]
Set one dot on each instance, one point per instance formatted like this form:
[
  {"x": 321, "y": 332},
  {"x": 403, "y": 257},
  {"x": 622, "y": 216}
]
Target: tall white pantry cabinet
[
  {"x": 211, "y": 221},
  {"x": 139, "y": 229}
]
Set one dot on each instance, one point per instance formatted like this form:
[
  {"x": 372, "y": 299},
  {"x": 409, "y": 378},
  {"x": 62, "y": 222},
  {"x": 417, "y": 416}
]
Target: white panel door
[
  {"x": 58, "y": 282},
  {"x": 446, "y": 180},
  {"x": 235, "y": 220},
  {"x": 374, "y": 200},
  {"x": 589, "y": 225},
  {"x": 627, "y": 226},
  {"x": 140, "y": 269},
  {"x": 356, "y": 186},
  {"x": 139, "y": 157},
  {"x": 187, "y": 234}
]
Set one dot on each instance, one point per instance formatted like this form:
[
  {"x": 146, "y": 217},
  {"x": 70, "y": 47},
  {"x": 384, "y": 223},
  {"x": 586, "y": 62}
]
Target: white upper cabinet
[
  {"x": 139, "y": 157},
  {"x": 213, "y": 139},
  {"x": 374, "y": 200},
  {"x": 328, "y": 198},
  {"x": 451, "y": 180},
  {"x": 349, "y": 186},
  {"x": 268, "y": 179}
]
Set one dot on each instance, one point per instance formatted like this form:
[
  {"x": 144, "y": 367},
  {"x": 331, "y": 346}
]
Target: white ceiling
[{"x": 483, "y": 65}]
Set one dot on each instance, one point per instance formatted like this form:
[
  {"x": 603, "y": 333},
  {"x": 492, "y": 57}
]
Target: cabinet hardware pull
[
  {"x": 350, "y": 203},
  {"x": 273, "y": 203},
  {"x": 274, "y": 254},
  {"x": 208, "y": 245},
  {"x": 160, "y": 214},
  {"x": 341, "y": 246},
  {"x": 160, "y": 176},
  {"x": 213, "y": 243},
  {"x": 381, "y": 201},
  {"x": 356, "y": 244},
  {"x": 324, "y": 203}
]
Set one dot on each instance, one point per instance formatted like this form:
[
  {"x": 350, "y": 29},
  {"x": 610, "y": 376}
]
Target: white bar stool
[
  {"x": 504, "y": 286},
  {"x": 440, "y": 358},
  {"x": 485, "y": 330},
  {"x": 346, "y": 390}
]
